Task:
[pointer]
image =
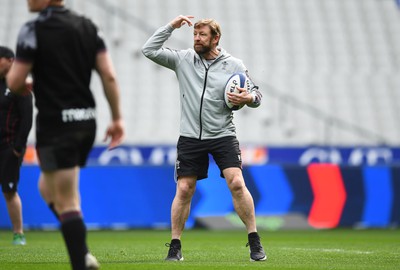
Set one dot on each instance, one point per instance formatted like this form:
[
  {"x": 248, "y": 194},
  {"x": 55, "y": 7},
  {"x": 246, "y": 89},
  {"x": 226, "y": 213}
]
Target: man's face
[
  {"x": 204, "y": 42},
  {"x": 5, "y": 65},
  {"x": 37, "y": 5}
]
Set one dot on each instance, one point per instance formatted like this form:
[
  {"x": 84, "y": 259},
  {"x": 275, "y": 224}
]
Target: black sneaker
[
  {"x": 257, "y": 252},
  {"x": 174, "y": 253}
]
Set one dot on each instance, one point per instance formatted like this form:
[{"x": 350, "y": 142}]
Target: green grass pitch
[{"x": 144, "y": 249}]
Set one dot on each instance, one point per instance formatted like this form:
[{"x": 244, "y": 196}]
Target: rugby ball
[{"x": 236, "y": 80}]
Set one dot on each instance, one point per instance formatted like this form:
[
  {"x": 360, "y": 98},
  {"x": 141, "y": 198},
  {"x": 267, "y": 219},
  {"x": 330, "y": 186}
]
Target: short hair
[
  {"x": 6, "y": 52},
  {"x": 212, "y": 24}
]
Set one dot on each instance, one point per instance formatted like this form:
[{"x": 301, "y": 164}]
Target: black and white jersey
[{"x": 62, "y": 46}]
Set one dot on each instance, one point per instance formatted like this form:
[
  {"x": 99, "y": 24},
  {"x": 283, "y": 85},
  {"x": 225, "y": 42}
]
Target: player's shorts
[
  {"x": 10, "y": 165},
  {"x": 65, "y": 149},
  {"x": 193, "y": 156}
]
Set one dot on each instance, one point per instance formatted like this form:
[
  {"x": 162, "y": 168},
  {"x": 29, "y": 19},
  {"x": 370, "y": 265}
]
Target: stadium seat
[{"x": 328, "y": 70}]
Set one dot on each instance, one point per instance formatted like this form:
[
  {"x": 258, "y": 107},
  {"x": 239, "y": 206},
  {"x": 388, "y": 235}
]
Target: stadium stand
[{"x": 329, "y": 69}]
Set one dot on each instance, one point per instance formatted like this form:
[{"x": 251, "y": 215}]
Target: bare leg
[
  {"x": 61, "y": 187},
  {"x": 14, "y": 208},
  {"x": 45, "y": 189},
  {"x": 46, "y": 192},
  {"x": 244, "y": 206},
  {"x": 180, "y": 209},
  {"x": 242, "y": 199}
]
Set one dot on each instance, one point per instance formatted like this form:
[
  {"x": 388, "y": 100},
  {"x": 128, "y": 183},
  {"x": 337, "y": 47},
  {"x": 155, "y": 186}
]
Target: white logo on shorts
[
  {"x": 74, "y": 115},
  {"x": 11, "y": 185}
]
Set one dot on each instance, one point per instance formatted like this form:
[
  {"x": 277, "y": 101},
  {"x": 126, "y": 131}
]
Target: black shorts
[
  {"x": 65, "y": 149},
  {"x": 192, "y": 158},
  {"x": 10, "y": 165}
]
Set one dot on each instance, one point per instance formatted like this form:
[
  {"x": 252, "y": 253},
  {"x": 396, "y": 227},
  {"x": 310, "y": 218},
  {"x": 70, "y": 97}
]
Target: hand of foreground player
[
  {"x": 29, "y": 84},
  {"x": 116, "y": 132},
  {"x": 181, "y": 20}
]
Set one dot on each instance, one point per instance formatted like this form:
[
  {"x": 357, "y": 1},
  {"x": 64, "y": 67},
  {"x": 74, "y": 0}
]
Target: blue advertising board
[
  {"x": 123, "y": 197},
  {"x": 165, "y": 155},
  {"x": 254, "y": 155}
]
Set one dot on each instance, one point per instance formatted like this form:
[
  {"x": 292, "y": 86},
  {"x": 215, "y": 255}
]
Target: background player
[{"x": 15, "y": 124}]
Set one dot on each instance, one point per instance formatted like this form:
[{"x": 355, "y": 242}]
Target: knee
[
  {"x": 236, "y": 184},
  {"x": 185, "y": 190}
]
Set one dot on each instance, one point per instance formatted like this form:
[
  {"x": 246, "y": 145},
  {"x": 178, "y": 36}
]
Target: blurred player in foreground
[
  {"x": 61, "y": 48},
  {"x": 206, "y": 123},
  {"x": 15, "y": 124}
]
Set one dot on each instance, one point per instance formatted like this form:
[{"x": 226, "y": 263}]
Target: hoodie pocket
[{"x": 216, "y": 117}]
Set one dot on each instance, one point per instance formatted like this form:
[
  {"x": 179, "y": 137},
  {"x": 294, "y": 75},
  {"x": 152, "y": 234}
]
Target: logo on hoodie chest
[{"x": 224, "y": 65}]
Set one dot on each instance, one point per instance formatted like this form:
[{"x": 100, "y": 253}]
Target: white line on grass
[{"x": 334, "y": 250}]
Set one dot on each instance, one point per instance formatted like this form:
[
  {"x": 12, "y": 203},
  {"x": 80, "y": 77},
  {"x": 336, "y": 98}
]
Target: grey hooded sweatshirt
[{"x": 204, "y": 114}]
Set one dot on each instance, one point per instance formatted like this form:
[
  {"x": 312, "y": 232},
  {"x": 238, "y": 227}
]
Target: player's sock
[
  {"x": 176, "y": 242},
  {"x": 74, "y": 233},
  {"x": 52, "y": 208},
  {"x": 254, "y": 235}
]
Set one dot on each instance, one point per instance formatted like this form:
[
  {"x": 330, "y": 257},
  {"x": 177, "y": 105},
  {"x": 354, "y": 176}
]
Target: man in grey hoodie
[{"x": 206, "y": 125}]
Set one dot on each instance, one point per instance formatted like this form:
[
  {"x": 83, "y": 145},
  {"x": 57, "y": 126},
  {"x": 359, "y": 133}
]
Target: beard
[{"x": 203, "y": 49}]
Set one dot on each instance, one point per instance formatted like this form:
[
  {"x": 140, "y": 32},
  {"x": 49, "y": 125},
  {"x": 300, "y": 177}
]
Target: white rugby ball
[{"x": 236, "y": 80}]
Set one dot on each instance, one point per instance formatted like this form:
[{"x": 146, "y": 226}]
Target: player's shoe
[
  {"x": 257, "y": 252},
  {"x": 91, "y": 262},
  {"x": 174, "y": 253},
  {"x": 19, "y": 239}
]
